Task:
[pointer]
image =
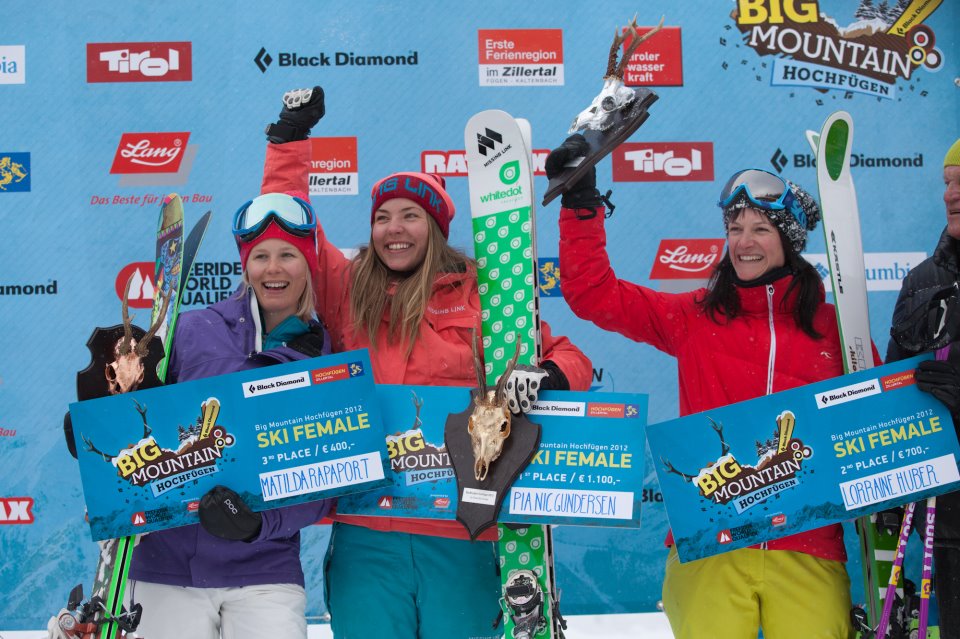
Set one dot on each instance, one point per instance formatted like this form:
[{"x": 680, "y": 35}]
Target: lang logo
[
  {"x": 663, "y": 162},
  {"x": 16, "y": 510},
  {"x": 142, "y": 286},
  {"x": 686, "y": 259},
  {"x": 139, "y": 62},
  {"x": 14, "y": 172},
  {"x": 150, "y": 152}
]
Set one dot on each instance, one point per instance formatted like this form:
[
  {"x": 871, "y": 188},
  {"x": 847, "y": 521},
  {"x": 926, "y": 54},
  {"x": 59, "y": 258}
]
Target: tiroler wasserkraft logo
[
  {"x": 287, "y": 59},
  {"x": 14, "y": 172},
  {"x": 881, "y": 44}
]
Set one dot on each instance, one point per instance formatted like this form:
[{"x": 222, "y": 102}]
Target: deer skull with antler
[
  {"x": 614, "y": 96},
  {"x": 489, "y": 424},
  {"x": 125, "y": 372}
]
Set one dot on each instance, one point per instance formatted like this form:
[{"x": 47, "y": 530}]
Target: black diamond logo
[
  {"x": 263, "y": 60},
  {"x": 488, "y": 140},
  {"x": 779, "y": 160}
]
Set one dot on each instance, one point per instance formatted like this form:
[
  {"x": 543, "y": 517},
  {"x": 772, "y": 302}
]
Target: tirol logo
[
  {"x": 454, "y": 163},
  {"x": 659, "y": 62},
  {"x": 520, "y": 57},
  {"x": 139, "y": 62},
  {"x": 410, "y": 453},
  {"x": 663, "y": 162},
  {"x": 333, "y": 166},
  {"x": 686, "y": 259},
  {"x": 779, "y": 462},
  {"x": 146, "y": 463},
  {"x": 13, "y": 64},
  {"x": 142, "y": 286},
  {"x": 150, "y": 152},
  {"x": 880, "y": 45},
  {"x": 16, "y": 510},
  {"x": 14, "y": 172}
]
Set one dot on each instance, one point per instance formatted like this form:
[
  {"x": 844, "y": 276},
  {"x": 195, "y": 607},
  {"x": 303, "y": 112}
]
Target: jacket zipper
[
  {"x": 773, "y": 339},
  {"x": 773, "y": 353}
]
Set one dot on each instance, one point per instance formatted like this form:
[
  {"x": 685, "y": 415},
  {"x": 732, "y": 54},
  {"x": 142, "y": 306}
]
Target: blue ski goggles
[
  {"x": 764, "y": 190},
  {"x": 293, "y": 215}
]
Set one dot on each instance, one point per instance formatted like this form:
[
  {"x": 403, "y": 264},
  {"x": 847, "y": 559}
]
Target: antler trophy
[
  {"x": 613, "y": 115},
  {"x": 484, "y": 433}
]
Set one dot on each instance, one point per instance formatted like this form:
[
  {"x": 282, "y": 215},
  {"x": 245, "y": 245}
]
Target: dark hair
[{"x": 721, "y": 298}]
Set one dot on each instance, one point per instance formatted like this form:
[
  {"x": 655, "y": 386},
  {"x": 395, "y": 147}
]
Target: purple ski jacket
[{"x": 214, "y": 341}]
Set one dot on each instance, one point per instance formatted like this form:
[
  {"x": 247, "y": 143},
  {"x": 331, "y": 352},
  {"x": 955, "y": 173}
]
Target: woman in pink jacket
[
  {"x": 411, "y": 299},
  {"x": 761, "y": 326}
]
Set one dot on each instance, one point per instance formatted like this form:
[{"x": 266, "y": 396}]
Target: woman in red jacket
[
  {"x": 761, "y": 326},
  {"x": 412, "y": 300}
]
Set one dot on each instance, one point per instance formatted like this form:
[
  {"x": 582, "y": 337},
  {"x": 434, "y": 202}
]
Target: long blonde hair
[{"x": 371, "y": 285}]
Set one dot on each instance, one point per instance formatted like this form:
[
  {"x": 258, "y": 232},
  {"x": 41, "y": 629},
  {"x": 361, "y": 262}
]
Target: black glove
[
  {"x": 302, "y": 109},
  {"x": 583, "y": 194},
  {"x": 555, "y": 379},
  {"x": 942, "y": 380},
  {"x": 224, "y": 514},
  {"x": 310, "y": 343}
]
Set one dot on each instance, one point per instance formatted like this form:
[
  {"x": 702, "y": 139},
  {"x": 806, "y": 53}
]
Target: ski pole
[
  {"x": 927, "y": 566},
  {"x": 905, "y": 526}
]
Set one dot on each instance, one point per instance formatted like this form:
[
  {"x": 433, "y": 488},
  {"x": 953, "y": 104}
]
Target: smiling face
[
  {"x": 951, "y": 198},
  {"x": 277, "y": 271},
  {"x": 754, "y": 245},
  {"x": 399, "y": 234}
]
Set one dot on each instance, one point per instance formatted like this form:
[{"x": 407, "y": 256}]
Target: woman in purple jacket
[{"x": 238, "y": 573}]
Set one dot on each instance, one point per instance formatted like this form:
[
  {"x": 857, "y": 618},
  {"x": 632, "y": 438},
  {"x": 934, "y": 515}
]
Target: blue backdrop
[{"x": 108, "y": 105}]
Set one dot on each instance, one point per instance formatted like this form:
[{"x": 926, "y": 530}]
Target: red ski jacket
[
  {"x": 761, "y": 351},
  {"x": 442, "y": 354}
]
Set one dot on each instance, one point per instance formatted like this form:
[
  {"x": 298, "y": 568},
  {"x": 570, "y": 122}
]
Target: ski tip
[{"x": 170, "y": 198}]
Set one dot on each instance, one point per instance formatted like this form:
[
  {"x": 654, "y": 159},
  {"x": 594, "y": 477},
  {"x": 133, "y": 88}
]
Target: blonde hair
[{"x": 371, "y": 284}]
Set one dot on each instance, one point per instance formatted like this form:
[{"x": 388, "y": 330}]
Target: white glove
[{"x": 522, "y": 387}]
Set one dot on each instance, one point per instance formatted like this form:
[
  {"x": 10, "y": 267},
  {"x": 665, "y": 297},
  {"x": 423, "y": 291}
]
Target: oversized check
[
  {"x": 588, "y": 470},
  {"x": 278, "y": 436},
  {"x": 815, "y": 455}
]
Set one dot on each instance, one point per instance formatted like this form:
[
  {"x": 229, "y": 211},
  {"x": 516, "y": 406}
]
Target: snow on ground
[{"x": 648, "y": 625}]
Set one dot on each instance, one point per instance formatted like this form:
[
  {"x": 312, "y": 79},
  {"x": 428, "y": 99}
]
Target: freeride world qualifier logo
[{"x": 868, "y": 51}]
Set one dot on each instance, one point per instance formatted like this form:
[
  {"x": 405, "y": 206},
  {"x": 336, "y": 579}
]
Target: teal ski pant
[{"x": 404, "y": 586}]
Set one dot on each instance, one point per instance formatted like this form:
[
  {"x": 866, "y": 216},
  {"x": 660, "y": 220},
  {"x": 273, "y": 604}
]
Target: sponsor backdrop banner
[
  {"x": 803, "y": 458},
  {"x": 126, "y": 104}
]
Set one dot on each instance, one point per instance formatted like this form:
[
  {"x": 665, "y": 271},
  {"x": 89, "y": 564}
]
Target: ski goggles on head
[
  {"x": 763, "y": 189},
  {"x": 293, "y": 215}
]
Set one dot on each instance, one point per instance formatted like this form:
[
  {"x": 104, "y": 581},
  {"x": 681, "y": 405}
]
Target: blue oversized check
[
  {"x": 278, "y": 436},
  {"x": 800, "y": 459},
  {"x": 588, "y": 470}
]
